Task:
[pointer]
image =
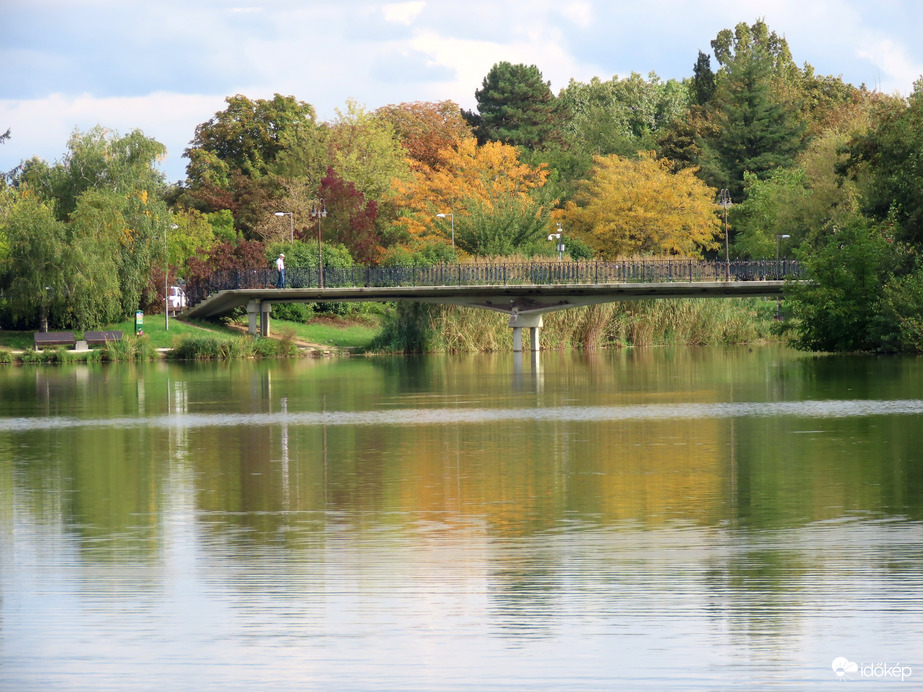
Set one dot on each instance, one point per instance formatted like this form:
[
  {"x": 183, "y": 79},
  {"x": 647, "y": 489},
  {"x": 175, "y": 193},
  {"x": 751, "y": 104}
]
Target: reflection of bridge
[{"x": 524, "y": 291}]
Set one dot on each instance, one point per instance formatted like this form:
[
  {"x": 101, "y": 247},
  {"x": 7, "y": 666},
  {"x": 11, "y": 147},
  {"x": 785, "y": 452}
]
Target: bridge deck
[{"x": 534, "y": 299}]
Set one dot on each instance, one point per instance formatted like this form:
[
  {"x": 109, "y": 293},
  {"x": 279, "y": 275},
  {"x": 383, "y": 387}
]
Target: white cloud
[
  {"x": 75, "y": 67},
  {"x": 897, "y": 68},
  {"x": 42, "y": 127},
  {"x": 579, "y": 13},
  {"x": 403, "y": 12}
]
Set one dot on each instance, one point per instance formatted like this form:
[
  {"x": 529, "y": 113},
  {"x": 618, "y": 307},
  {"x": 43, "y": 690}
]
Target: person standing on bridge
[{"x": 280, "y": 267}]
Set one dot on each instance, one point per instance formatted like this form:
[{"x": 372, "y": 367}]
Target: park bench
[
  {"x": 100, "y": 338},
  {"x": 43, "y": 339}
]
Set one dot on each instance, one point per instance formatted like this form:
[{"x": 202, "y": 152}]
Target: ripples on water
[
  {"x": 805, "y": 409},
  {"x": 721, "y": 545}
]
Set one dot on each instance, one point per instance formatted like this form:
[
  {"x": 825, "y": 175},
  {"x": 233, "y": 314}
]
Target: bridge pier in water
[{"x": 533, "y": 322}]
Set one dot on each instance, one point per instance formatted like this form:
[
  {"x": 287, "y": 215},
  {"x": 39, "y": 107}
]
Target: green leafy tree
[
  {"x": 234, "y": 156},
  {"x": 838, "y": 310},
  {"x": 98, "y": 242},
  {"x": 305, "y": 155},
  {"x": 503, "y": 226},
  {"x": 887, "y": 164},
  {"x": 107, "y": 192},
  {"x": 96, "y": 159},
  {"x": 620, "y": 116},
  {"x": 365, "y": 151},
  {"x": 192, "y": 234},
  {"x": 516, "y": 107},
  {"x": 901, "y": 312},
  {"x": 247, "y": 136},
  {"x": 773, "y": 207},
  {"x": 746, "y": 42},
  {"x": 34, "y": 276},
  {"x": 809, "y": 199}
]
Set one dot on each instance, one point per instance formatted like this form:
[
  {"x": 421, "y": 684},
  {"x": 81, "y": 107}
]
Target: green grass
[
  {"x": 153, "y": 327},
  {"x": 332, "y": 333},
  {"x": 16, "y": 341},
  {"x": 160, "y": 337}
]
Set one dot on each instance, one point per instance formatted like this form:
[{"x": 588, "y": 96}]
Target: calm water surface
[{"x": 660, "y": 519}]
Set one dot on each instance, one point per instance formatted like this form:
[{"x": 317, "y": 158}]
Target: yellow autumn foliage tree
[
  {"x": 469, "y": 180},
  {"x": 642, "y": 207}
]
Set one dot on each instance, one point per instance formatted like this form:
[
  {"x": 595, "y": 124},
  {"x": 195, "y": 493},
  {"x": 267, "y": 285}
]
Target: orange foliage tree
[
  {"x": 641, "y": 206},
  {"x": 425, "y": 129},
  {"x": 468, "y": 181}
]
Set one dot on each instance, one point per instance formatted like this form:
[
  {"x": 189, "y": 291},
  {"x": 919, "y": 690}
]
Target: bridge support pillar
[
  {"x": 253, "y": 313},
  {"x": 531, "y": 322},
  {"x": 265, "y": 310}
]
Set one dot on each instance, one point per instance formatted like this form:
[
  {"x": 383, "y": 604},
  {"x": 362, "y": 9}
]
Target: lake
[{"x": 641, "y": 519}]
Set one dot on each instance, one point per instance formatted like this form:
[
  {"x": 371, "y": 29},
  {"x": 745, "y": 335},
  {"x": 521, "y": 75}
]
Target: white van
[{"x": 176, "y": 299}]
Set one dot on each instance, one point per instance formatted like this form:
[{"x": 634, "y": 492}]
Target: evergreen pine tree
[
  {"x": 753, "y": 130},
  {"x": 703, "y": 80},
  {"x": 515, "y": 107}
]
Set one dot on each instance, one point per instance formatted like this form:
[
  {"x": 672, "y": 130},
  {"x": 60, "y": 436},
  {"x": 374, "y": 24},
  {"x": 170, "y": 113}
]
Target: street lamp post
[
  {"x": 166, "y": 280},
  {"x": 452, "y": 215},
  {"x": 557, "y": 236},
  {"x": 319, "y": 211},
  {"x": 779, "y": 238},
  {"x": 724, "y": 199},
  {"x": 291, "y": 223}
]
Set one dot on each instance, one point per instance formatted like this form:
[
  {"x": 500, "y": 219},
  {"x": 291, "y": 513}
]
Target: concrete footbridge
[{"x": 522, "y": 291}]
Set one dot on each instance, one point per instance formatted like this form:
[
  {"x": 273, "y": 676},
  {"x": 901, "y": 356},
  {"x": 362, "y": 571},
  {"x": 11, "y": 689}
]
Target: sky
[{"x": 165, "y": 66}]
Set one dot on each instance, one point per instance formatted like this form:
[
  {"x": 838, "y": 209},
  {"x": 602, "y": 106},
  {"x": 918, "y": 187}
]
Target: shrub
[{"x": 130, "y": 348}]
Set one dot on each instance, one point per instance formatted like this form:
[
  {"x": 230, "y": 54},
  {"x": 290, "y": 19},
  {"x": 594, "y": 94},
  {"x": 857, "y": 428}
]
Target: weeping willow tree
[{"x": 81, "y": 236}]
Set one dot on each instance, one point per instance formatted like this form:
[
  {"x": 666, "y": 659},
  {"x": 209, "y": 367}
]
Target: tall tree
[
  {"x": 703, "y": 80},
  {"x": 619, "y": 116},
  {"x": 107, "y": 185},
  {"x": 365, "y": 151},
  {"x": 350, "y": 219},
  {"x": 468, "y": 181},
  {"x": 888, "y": 163},
  {"x": 747, "y": 41},
  {"x": 753, "y": 131},
  {"x": 642, "y": 207},
  {"x": 515, "y": 106},
  {"x": 247, "y": 136},
  {"x": 425, "y": 129}
]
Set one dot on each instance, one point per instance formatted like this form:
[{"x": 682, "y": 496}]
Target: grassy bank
[
  {"x": 695, "y": 321},
  {"x": 199, "y": 340}
]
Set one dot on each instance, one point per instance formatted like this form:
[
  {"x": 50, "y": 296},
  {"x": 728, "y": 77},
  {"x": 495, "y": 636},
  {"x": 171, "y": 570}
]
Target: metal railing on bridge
[{"x": 493, "y": 274}]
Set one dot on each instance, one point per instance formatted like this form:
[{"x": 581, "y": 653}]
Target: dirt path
[{"x": 301, "y": 343}]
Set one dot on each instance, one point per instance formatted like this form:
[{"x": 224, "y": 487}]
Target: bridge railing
[{"x": 506, "y": 273}]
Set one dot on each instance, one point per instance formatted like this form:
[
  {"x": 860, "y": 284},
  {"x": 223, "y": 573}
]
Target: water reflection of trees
[{"x": 293, "y": 493}]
